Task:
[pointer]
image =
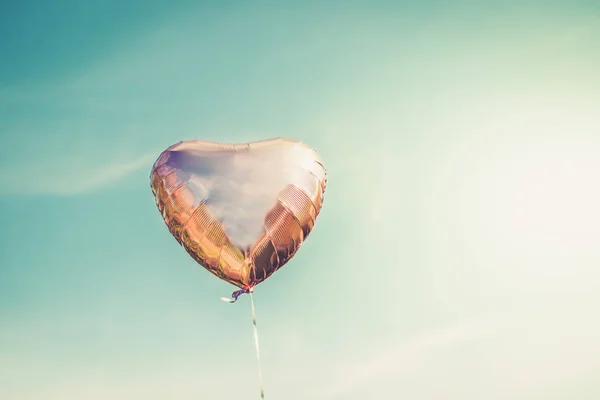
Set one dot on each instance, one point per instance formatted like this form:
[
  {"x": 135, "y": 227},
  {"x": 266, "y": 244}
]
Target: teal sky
[{"x": 457, "y": 252}]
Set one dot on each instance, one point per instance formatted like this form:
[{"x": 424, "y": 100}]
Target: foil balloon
[{"x": 240, "y": 210}]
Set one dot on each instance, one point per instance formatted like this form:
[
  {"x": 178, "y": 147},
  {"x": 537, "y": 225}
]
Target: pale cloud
[
  {"x": 411, "y": 354},
  {"x": 67, "y": 179},
  {"x": 97, "y": 382},
  {"x": 518, "y": 355}
]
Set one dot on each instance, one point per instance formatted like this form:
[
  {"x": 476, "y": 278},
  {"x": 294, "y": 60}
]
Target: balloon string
[{"x": 260, "y": 379}]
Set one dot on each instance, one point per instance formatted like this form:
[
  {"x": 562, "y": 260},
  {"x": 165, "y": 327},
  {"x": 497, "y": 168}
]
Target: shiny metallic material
[{"x": 240, "y": 210}]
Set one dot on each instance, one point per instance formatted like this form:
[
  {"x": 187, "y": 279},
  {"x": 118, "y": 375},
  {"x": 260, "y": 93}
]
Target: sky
[{"x": 456, "y": 255}]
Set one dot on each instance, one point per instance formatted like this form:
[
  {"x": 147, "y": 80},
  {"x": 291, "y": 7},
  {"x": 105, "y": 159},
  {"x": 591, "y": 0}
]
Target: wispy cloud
[
  {"x": 411, "y": 354},
  {"x": 97, "y": 382},
  {"x": 67, "y": 180},
  {"x": 522, "y": 354}
]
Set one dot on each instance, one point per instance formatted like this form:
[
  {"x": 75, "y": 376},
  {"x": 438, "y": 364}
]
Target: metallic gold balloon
[{"x": 240, "y": 210}]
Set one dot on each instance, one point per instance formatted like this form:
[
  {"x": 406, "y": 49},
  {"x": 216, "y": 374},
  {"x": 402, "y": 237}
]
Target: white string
[{"x": 260, "y": 379}]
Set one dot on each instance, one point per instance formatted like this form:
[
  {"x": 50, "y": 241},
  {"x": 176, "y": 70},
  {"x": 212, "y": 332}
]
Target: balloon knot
[{"x": 247, "y": 289}]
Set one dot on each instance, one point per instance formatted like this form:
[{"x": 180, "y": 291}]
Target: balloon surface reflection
[{"x": 240, "y": 210}]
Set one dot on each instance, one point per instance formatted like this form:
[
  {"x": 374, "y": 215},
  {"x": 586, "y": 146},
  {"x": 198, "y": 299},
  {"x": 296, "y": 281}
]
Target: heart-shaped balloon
[{"x": 240, "y": 210}]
